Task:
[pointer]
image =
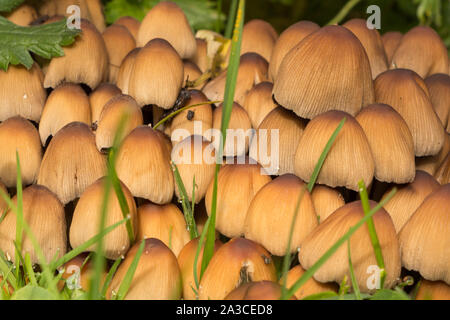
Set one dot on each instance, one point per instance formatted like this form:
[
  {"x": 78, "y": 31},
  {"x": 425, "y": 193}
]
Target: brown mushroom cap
[
  {"x": 327, "y": 70},
  {"x": 425, "y": 238},
  {"x": 258, "y": 36}
]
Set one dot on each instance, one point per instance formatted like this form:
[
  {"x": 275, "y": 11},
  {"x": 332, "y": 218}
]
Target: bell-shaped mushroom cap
[
  {"x": 239, "y": 131},
  {"x": 201, "y": 58},
  {"x": 327, "y": 70},
  {"x": 258, "y": 36},
  {"x": 276, "y": 140},
  {"x": 326, "y": 200},
  {"x": 99, "y": 97},
  {"x": 125, "y": 70},
  {"x": 431, "y": 164},
  {"x": 44, "y": 214},
  {"x": 119, "y": 42},
  {"x": 271, "y": 212},
  {"x": 18, "y": 135},
  {"x": 443, "y": 173},
  {"x": 157, "y": 75},
  {"x": 89, "y": 9},
  {"x": 258, "y": 102},
  {"x": 164, "y": 222},
  {"x": 157, "y": 276},
  {"x": 167, "y": 21},
  {"x": 22, "y": 93},
  {"x": 186, "y": 260},
  {"x": 132, "y": 24},
  {"x": 23, "y": 15},
  {"x": 143, "y": 164},
  {"x": 391, "y": 143},
  {"x": 194, "y": 121},
  {"x": 372, "y": 43},
  {"x": 257, "y": 290},
  {"x": 362, "y": 254},
  {"x": 288, "y": 39},
  {"x": 238, "y": 184},
  {"x": 425, "y": 238},
  {"x": 71, "y": 162},
  {"x": 349, "y": 160},
  {"x": 195, "y": 159},
  {"x": 439, "y": 87},
  {"x": 86, "y": 61},
  {"x": 120, "y": 108},
  {"x": 237, "y": 261},
  {"x": 391, "y": 40},
  {"x": 423, "y": 51},
  {"x": 407, "y": 93},
  {"x": 87, "y": 216},
  {"x": 433, "y": 290},
  {"x": 67, "y": 103},
  {"x": 409, "y": 197},
  {"x": 252, "y": 70},
  {"x": 310, "y": 287}
]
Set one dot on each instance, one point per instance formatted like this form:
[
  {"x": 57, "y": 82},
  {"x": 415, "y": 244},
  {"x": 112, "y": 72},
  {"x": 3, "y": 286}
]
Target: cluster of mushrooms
[{"x": 393, "y": 90}]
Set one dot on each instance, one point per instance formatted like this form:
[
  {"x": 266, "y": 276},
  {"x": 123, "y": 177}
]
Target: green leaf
[
  {"x": 32, "y": 292},
  {"x": 16, "y": 42},
  {"x": 201, "y": 14},
  {"x": 230, "y": 87},
  {"x": 110, "y": 275},
  {"x": 9, "y": 5},
  {"x": 352, "y": 274}
]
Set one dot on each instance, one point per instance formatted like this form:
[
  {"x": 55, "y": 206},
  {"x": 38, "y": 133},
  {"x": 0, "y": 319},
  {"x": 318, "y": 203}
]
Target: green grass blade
[
  {"x": 309, "y": 273},
  {"x": 230, "y": 87},
  {"x": 110, "y": 275},
  {"x": 173, "y": 114},
  {"x": 126, "y": 282},
  {"x": 230, "y": 21},
  {"x": 315, "y": 174},
  {"x": 81, "y": 248},
  {"x": 29, "y": 269},
  {"x": 344, "y": 11},
  {"x": 187, "y": 208},
  {"x": 19, "y": 216},
  {"x": 372, "y": 232},
  {"x": 324, "y": 154},
  {"x": 352, "y": 274},
  {"x": 197, "y": 253},
  {"x": 99, "y": 259}
]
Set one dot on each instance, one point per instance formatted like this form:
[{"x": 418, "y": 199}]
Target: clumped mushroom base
[{"x": 115, "y": 83}]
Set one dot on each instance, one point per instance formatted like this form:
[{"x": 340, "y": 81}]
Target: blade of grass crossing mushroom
[
  {"x": 372, "y": 232},
  {"x": 187, "y": 208},
  {"x": 352, "y": 274},
  {"x": 99, "y": 260},
  {"x": 310, "y": 272},
  {"x": 18, "y": 211},
  {"x": 230, "y": 87},
  {"x": 173, "y": 114},
  {"x": 19, "y": 216},
  {"x": 6, "y": 270},
  {"x": 126, "y": 282},
  {"x": 309, "y": 187},
  {"x": 110, "y": 275},
  {"x": 81, "y": 248},
  {"x": 197, "y": 254}
]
